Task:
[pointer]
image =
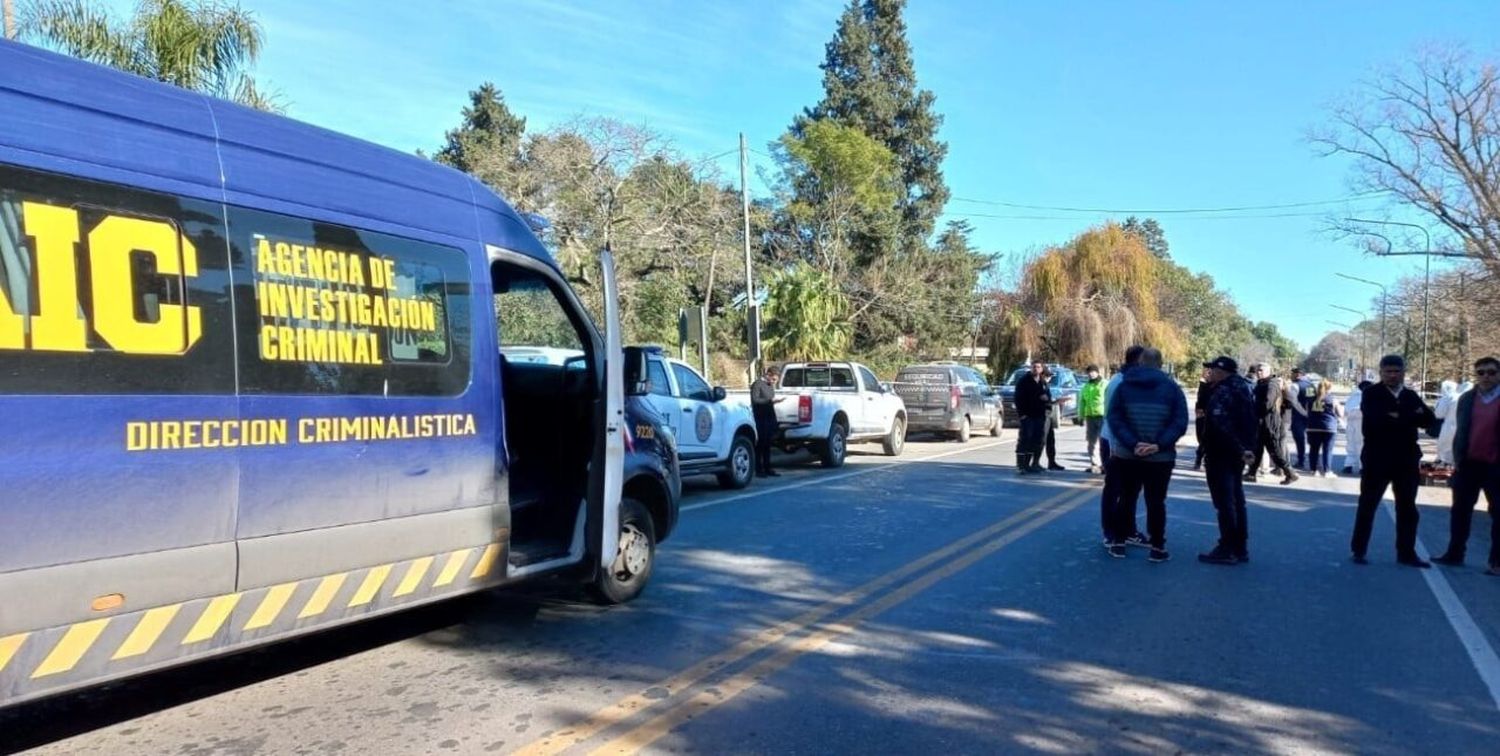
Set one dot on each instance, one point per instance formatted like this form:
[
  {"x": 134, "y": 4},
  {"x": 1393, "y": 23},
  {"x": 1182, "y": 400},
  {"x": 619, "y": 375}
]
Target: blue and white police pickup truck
[
  {"x": 715, "y": 432},
  {"x": 833, "y": 404}
]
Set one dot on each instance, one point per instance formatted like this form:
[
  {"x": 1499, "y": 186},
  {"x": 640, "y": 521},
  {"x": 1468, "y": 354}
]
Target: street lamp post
[
  {"x": 1426, "y": 283},
  {"x": 1364, "y": 359},
  {"x": 1384, "y": 297}
]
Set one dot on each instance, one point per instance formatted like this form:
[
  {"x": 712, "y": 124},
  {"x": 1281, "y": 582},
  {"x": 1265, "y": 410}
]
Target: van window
[
  {"x": 106, "y": 289},
  {"x": 328, "y": 309}
]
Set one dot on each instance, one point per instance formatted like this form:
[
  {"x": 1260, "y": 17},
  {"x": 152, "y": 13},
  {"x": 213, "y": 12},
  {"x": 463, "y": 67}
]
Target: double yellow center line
[{"x": 811, "y": 633}]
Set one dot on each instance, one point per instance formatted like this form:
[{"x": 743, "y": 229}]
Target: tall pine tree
[
  {"x": 488, "y": 143},
  {"x": 869, "y": 82}
]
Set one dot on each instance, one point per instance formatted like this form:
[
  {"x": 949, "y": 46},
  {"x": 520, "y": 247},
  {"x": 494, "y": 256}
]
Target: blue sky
[{"x": 1148, "y": 105}]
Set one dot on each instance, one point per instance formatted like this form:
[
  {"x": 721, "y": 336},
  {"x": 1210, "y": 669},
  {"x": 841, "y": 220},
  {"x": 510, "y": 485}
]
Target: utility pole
[
  {"x": 752, "y": 311},
  {"x": 10, "y": 18}
]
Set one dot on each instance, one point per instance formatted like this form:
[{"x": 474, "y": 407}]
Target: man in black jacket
[
  {"x": 1034, "y": 405},
  {"x": 1229, "y": 435},
  {"x": 1393, "y": 415},
  {"x": 1270, "y": 407}
]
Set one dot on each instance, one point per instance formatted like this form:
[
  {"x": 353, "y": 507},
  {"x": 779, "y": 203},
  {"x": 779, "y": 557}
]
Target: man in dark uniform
[
  {"x": 1270, "y": 402},
  {"x": 1393, "y": 415},
  {"x": 1034, "y": 406},
  {"x": 1229, "y": 435},
  {"x": 763, "y": 402}
]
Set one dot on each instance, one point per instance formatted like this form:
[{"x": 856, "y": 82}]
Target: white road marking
[
  {"x": 813, "y": 481},
  {"x": 1481, "y": 653}
]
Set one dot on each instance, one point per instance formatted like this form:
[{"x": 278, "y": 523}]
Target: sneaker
[
  {"x": 1158, "y": 555},
  {"x": 1055, "y": 466},
  {"x": 1329, "y": 474},
  {"x": 1414, "y": 561},
  {"x": 1219, "y": 555},
  {"x": 1250, "y": 477},
  {"x": 1451, "y": 560},
  {"x": 1117, "y": 550},
  {"x": 1139, "y": 540},
  {"x": 1290, "y": 477}
]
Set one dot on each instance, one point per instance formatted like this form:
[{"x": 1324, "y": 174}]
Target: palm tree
[
  {"x": 203, "y": 45},
  {"x": 807, "y": 317}
]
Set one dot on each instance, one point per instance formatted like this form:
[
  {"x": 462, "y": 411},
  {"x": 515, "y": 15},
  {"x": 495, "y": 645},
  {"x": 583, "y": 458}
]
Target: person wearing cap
[
  {"x": 763, "y": 401},
  {"x": 1228, "y": 440},
  {"x": 1392, "y": 417}
]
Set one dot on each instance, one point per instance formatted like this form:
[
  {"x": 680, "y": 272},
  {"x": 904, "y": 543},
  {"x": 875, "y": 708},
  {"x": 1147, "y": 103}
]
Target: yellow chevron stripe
[
  {"x": 371, "y": 586},
  {"x": 327, "y": 588},
  {"x": 74, "y": 644},
  {"x": 414, "y": 575},
  {"x": 271, "y": 606},
  {"x": 212, "y": 618},
  {"x": 486, "y": 561},
  {"x": 451, "y": 567},
  {"x": 8, "y": 647},
  {"x": 147, "y": 631}
]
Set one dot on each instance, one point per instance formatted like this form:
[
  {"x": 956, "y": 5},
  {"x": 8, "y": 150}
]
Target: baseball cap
[{"x": 1226, "y": 364}]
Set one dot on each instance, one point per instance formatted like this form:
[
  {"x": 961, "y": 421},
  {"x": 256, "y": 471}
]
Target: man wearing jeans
[
  {"x": 1476, "y": 449},
  {"x": 1147, "y": 415}
]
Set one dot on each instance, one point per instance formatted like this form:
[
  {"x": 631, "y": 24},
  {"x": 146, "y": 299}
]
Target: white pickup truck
[{"x": 833, "y": 404}]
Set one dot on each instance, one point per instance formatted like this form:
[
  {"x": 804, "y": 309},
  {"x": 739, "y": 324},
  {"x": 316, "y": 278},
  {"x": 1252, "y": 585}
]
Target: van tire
[
  {"x": 628, "y": 574},
  {"x": 964, "y": 429},
  {"x": 740, "y": 467},
  {"x": 895, "y": 441},
  {"x": 836, "y": 447}
]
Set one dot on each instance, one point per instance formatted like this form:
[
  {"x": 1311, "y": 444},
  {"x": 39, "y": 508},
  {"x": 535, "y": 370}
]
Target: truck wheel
[
  {"x": 836, "y": 446},
  {"x": 963, "y": 431},
  {"x": 627, "y": 576},
  {"x": 995, "y": 428},
  {"x": 741, "y": 464},
  {"x": 895, "y": 441}
]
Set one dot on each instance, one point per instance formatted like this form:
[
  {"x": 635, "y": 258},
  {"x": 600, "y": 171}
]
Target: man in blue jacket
[
  {"x": 1230, "y": 436},
  {"x": 1147, "y": 415}
]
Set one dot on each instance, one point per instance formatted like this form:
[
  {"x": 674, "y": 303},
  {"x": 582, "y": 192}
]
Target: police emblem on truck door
[{"x": 704, "y": 423}]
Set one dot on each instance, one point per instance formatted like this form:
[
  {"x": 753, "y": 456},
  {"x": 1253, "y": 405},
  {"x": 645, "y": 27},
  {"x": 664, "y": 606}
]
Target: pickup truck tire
[
  {"x": 964, "y": 430},
  {"x": 627, "y": 576},
  {"x": 740, "y": 467},
  {"x": 895, "y": 441},
  {"x": 995, "y": 428},
  {"x": 837, "y": 445}
]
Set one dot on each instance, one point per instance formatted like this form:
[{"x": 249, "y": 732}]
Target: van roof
[{"x": 68, "y": 116}]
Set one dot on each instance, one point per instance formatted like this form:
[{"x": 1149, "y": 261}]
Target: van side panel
[
  {"x": 82, "y": 513},
  {"x": 388, "y": 460}
]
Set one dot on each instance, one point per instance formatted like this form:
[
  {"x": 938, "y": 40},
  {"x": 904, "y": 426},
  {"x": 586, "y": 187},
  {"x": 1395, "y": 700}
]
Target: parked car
[
  {"x": 715, "y": 432},
  {"x": 834, "y": 404},
  {"x": 1064, "y": 385},
  {"x": 948, "y": 398}
]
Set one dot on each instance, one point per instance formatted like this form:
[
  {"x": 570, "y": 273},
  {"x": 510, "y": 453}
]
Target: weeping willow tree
[
  {"x": 1086, "y": 301},
  {"x": 806, "y": 316}
]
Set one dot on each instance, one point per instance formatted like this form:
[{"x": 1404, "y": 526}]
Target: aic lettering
[{"x": 57, "y": 321}]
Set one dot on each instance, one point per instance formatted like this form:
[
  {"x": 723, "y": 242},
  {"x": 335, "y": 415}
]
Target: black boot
[{"x": 1023, "y": 463}]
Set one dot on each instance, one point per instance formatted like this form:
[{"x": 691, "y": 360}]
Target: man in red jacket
[{"x": 1476, "y": 449}]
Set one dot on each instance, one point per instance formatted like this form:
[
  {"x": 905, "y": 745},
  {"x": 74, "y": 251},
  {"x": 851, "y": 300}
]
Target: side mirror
[
  {"x": 637, "y": 382},
  {"x": 720, "y": 394}
]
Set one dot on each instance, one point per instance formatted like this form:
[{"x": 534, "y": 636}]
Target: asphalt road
[{"x": 938, "y": 604}]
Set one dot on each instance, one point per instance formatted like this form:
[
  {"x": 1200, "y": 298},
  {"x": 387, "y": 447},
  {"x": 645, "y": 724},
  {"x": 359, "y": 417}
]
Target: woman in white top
[{"x": 1446, "y": 402}]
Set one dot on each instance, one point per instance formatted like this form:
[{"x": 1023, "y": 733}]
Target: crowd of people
[{"x": 1134, "y": 421}]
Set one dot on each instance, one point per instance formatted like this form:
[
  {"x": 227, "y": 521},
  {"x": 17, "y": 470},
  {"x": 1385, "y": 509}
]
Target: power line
[
  {"x": 1076, "y": 218},
  {"x": 1168, "y": 211}
]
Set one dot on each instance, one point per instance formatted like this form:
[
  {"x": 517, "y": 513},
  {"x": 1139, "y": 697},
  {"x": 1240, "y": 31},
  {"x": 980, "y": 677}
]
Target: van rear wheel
[
  {"x": 964, "y": 430},
  {"x": 628, "y": 574}
]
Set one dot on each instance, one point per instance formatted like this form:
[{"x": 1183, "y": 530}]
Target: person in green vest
[{"x": 1091, "y": 410}]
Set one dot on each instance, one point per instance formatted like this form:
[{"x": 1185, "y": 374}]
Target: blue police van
[{"x": 254, "y": 382}]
